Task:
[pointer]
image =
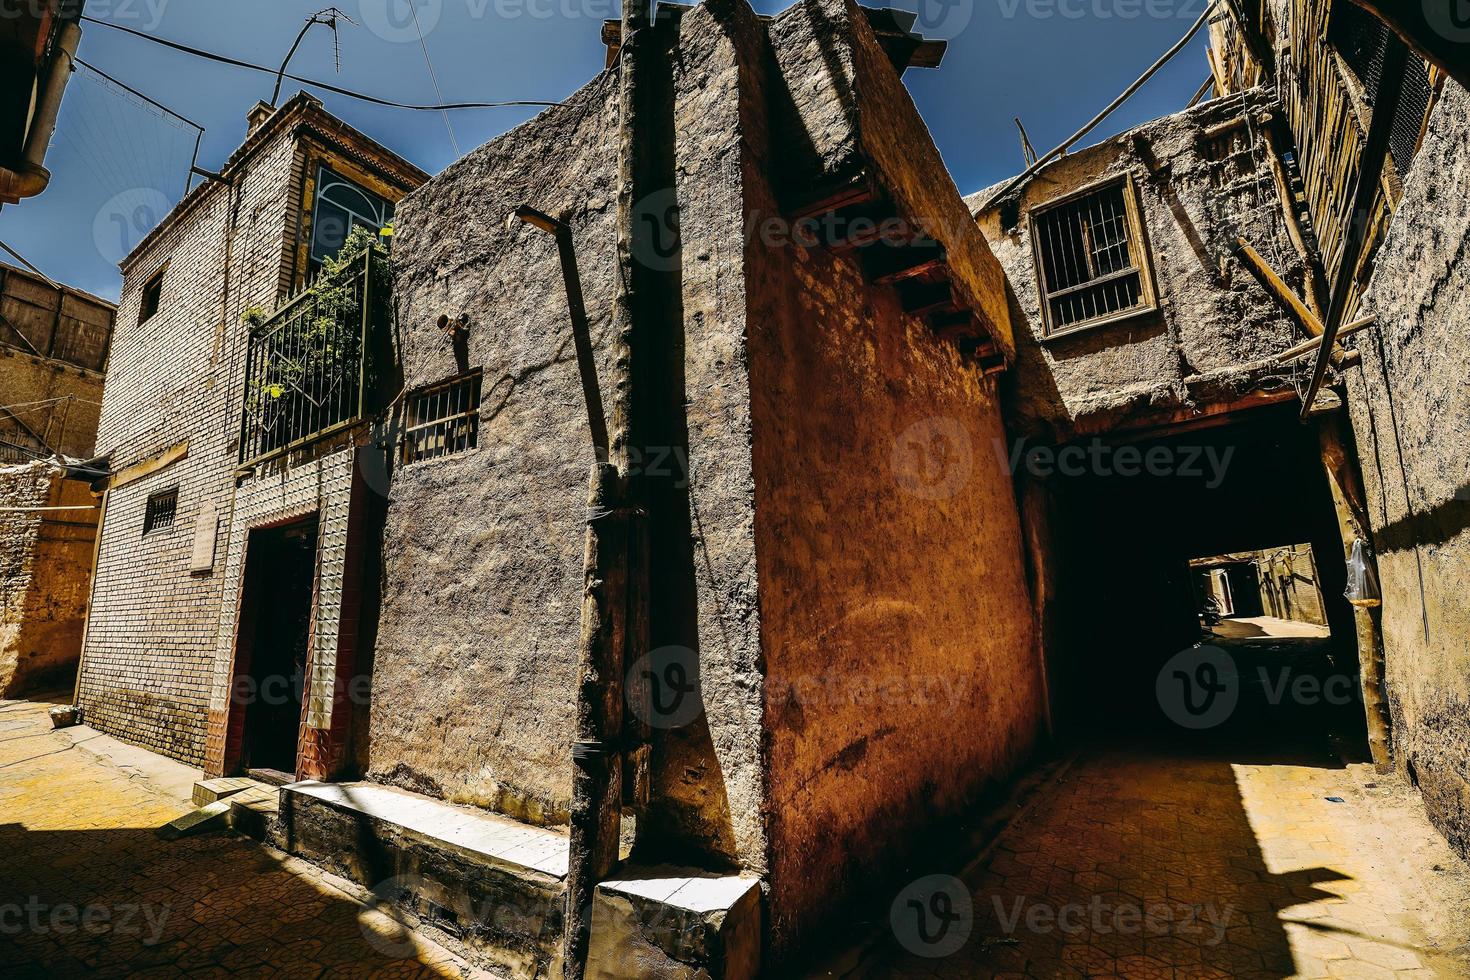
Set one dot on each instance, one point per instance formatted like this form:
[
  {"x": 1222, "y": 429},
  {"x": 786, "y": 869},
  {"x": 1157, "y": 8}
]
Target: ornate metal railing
[{"x": 309, "y": 370}]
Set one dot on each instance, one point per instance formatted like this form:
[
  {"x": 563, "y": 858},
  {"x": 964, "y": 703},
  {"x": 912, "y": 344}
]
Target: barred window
[
  {"x": 159, "y": 514},
  {"x": 443, "y": 419},
  {"x": 1090, "y": 258}
]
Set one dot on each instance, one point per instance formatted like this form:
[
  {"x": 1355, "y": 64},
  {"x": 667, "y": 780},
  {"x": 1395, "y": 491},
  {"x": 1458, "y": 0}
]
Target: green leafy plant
[{"x": 305, "y": 375}]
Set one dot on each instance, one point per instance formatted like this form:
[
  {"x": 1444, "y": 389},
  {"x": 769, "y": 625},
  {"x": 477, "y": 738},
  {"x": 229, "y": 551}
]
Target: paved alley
[
  {"x": 1151, "y": 860},
  {"x": 88, "y": 890}
]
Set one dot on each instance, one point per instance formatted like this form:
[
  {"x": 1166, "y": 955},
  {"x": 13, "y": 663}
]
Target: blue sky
[{"x": 117, "y": 166}]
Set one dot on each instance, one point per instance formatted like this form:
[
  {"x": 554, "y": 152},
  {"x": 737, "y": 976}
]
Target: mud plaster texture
[
  {"x": 824, "y": 436},
  {"x": 1215, "y": 322},
  {"x": 45, "y": 568},
  {"x": 1410, "y": 409}
]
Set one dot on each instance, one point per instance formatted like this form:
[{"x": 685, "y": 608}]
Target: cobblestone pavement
[
  {"x": 87, "y": 889},
  {"x": 1146, "y": 861}
]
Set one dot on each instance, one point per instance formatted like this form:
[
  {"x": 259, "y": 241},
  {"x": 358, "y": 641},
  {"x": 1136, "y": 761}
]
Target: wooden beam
[
  {"x": 1278, "y": 288},
  {"x": 149, "y": 465},
  {"x": 924, "y": 298},
  {"x": 888, "y": 264}
]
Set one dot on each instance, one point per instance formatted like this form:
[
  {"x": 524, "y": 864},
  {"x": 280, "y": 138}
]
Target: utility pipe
[{"x": 32, "y": 180}]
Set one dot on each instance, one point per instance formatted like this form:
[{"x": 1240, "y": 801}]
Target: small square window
[
  {"x": 1091, "y": 263},
  {"x": 152, "y": 297},
  {"x": 443, "y": 419},
  {"x": 161, "y": 509}
]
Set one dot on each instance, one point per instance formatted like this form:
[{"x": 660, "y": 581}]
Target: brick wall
[{"x": 161, "y": 640}]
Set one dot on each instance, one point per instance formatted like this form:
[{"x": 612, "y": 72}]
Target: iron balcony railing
[{"x": 309, "y": 369}]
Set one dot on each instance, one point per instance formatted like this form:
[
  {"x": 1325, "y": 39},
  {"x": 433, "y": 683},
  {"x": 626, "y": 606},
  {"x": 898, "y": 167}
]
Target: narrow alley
[
  {"x": 87, "y": 887},
  {"x": 1164, "y": 858}
]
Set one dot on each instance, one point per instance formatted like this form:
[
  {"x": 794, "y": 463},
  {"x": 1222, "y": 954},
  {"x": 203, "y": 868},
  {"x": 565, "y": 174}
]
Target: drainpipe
[{"x": 33, "y": 178}]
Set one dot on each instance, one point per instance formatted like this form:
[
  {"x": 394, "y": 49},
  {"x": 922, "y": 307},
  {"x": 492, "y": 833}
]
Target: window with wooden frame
[
  {"x": 152, "y": 296},
  {"x": 159, "y": 514},
  {"x": 1091, "y": 258},
  {"x": 443, "y": 419}
]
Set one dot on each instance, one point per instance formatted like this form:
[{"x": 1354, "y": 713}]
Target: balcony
[{"x": 310, "y": 370}]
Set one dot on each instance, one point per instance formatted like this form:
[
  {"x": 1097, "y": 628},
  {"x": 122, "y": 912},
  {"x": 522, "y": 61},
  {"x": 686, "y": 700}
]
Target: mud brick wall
[
  {"x": 1214, "y": 317},
  {"x": 45, "y": 569},
  {"x": 901, "y": 676},
  {"x": 1410, "y": 410},
  {"x": 176, "y": 379}
]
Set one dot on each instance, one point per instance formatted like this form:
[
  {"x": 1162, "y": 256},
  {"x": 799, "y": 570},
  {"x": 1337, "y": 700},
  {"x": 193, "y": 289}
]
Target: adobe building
[
  {"x": 416, "y": 556},
  {"x": 54, "y": 343},
  {"x": 1152, "y": 278},
  {"x": 1406, "y": 401}
]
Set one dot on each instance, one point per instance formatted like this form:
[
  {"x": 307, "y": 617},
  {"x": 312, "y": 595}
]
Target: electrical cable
[
  {"x": 237, "y": 63},
  {"x": 434, "y": 77}
]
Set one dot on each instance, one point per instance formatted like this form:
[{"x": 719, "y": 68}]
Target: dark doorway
[
  {"x": 275, "y": 633},
  {"x": 1129, "y": 596}
]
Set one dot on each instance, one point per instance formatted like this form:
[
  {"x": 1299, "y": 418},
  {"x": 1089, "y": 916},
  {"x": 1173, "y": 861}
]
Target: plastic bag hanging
[{"x": 1362, "y": 578}]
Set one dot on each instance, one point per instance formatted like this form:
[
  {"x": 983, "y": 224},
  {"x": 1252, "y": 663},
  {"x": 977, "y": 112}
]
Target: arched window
[{"x": 341, "y": 206}]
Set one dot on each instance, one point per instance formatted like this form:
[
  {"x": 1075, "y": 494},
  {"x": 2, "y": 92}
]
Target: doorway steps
[
  {"x": 494, "y": 887},
  {"x": 251, "y": 805}
]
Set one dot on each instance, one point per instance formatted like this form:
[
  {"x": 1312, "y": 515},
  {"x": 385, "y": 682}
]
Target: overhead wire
[
  {"x": 326, "y": 86},
  {"x": 434, "y": 77}
]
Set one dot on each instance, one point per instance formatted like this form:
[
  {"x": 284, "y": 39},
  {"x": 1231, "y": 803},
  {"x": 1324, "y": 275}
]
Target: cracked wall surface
[{"x": 1410, "y": 408}]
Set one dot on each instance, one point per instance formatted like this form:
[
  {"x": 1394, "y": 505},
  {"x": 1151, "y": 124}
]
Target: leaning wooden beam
[
  {"x": 1315, "y": 344},
  {"x": 1279, "y": 289}
]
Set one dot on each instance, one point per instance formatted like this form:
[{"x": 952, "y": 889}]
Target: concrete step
[
  {"x": 211, "y": 816},
  {"x": 496, "y": 886},
  {"x": 254, "y": 812},
  {"x": 209, "y": 790}
]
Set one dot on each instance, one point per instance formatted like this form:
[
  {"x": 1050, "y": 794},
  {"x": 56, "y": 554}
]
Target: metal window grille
[
  {"x": 1363, "y": 41},
  {"x": 443, "y": 419},
  {"x": 1089, "y": 258},
  {"x": 308, "y": 372},
  {"x": 160, "y": 511}
]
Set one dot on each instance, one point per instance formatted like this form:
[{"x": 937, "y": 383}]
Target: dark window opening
[
  {"x": 340, "y": 206},
  {"x": 159, "y": 514},
  {"x": 1090, "y": 259},
  {"x": 443, "y": 419},
  {"x": 152, "y": 297}
]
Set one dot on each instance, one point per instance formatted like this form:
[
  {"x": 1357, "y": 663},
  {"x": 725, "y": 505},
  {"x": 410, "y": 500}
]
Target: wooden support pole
[
  {"x": 596, "y": 762},
  {"x": 1279, "y": 289},
  {"x": 1352, "y": 519}
]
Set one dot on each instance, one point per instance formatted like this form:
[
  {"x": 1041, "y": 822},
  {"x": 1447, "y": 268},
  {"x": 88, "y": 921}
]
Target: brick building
[{"x": 179, "y": 509}]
